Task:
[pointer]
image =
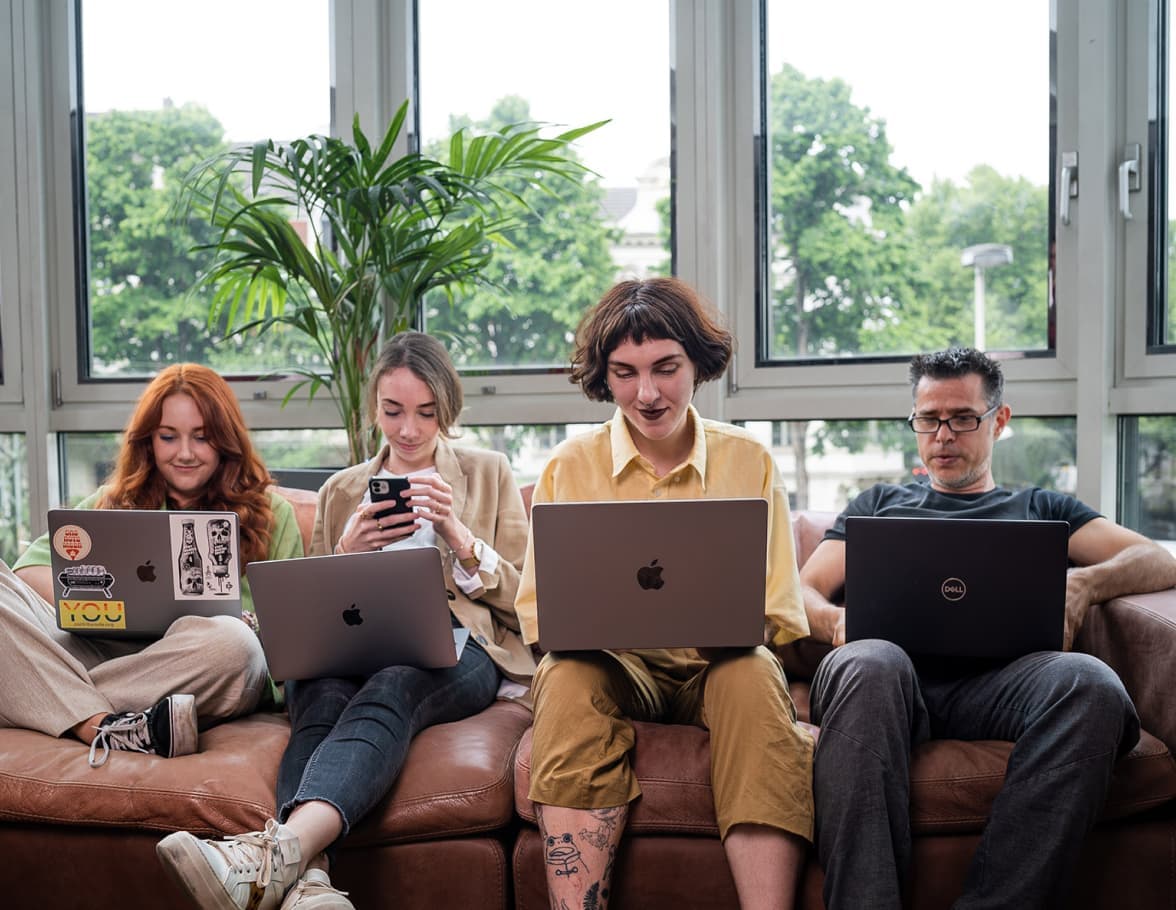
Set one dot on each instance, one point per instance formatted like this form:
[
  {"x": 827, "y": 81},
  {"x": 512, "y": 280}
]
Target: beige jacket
[{"x": 487, "y": 500}]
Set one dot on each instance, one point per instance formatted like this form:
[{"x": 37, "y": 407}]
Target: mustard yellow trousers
[{"x": 761, "y": 760}]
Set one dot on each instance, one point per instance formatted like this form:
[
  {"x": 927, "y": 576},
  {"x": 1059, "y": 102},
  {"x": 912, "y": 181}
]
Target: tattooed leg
[{"x": 579, "y": 846}]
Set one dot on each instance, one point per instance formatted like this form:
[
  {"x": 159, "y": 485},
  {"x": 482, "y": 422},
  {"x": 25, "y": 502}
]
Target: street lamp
[{"x": 983, "y": 256}]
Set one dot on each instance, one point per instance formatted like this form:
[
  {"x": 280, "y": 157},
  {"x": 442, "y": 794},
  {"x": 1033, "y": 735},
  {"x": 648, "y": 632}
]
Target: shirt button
[{"x": 657, "y": 492}]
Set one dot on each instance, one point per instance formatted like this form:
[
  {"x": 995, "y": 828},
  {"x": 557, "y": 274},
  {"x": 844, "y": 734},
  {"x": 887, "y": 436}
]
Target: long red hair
[{"x": 240, "y": 481}]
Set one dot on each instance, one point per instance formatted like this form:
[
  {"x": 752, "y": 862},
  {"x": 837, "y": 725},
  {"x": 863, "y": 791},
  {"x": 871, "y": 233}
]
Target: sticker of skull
[
  {"x": 205, "y": 553},
  {"x": 220, "y": 554}
]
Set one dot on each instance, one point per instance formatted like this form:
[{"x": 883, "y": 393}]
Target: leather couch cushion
[
  {"x": 953, "y": 783},
  {"x": 457, "y": 779},
  {"x": 228, "y": 786}
]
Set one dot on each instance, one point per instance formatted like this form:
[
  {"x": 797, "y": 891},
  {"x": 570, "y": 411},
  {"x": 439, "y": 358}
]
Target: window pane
[
  {"x": 1147, "y": 470},
  {"x": 907, "y": 175},
  {"x": 497, "y": 69},
  {"x": 526, "y": 446},
  {"x": 14, "y": 497},
  {"x": 165, "y": 85},
  {"x": 1162, "y": 325},
  {"x": 90, "y": 457},
  {"x": 827, "y": 463}
]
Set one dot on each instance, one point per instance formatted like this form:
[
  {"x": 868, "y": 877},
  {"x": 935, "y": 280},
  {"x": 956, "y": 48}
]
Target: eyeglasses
[{"x": 957, "y": 423}]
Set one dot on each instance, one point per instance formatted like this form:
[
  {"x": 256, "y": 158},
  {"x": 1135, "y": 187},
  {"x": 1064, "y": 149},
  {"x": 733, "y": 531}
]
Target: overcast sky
[{"x": 958, "y": 83}]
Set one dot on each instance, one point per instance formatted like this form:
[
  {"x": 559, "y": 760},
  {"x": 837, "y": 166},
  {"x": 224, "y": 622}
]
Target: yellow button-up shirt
[{"x": 725, "y": 462}]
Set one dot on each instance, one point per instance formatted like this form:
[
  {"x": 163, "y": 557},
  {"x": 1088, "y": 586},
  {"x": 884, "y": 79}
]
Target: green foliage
[
  {"x": 554, "y": 265},
  {"x": 139, "y": 267},
  {"x": 944, "y": 221},
  {"x": 14, "y": 496},
  {"x": 840, "y": 260},
  {"x": 142, "y": 314},
  {"x": 384, "y": 232}
]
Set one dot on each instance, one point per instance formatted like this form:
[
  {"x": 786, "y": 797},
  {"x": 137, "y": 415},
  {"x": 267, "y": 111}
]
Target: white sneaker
[
  {"x": 167, "y": 728},
  {"x": 314, "y": 892},
  {"x": 251, "y": 871}
]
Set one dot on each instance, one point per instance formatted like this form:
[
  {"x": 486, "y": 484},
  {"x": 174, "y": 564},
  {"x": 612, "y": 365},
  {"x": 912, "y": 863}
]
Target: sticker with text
[
  {"x": 85, "y": 578},
  {"x": 92, "y": 614},
  {"x": 71, "y": 542}
]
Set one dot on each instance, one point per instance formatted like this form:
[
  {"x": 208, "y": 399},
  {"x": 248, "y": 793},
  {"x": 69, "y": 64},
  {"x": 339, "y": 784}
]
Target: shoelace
[
  {"x": 126, "y": 734},
  {"x": 241, "y": 852}
]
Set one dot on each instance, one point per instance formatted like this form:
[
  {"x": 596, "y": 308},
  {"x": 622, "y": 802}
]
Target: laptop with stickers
[
  {"x": 956, "y": 587},
  {"x": 130, "y": 573},
  {"x": 679, "y": 573},
  {"x": 352, "y": 614}
]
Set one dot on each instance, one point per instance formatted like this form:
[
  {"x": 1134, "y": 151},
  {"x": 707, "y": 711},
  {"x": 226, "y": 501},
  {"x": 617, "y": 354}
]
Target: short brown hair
[
  {"x": 429, "y": 362},
  {"x": 651, "y": 309}
]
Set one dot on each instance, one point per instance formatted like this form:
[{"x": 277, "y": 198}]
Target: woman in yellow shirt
[{"x": 648, "y": 345}]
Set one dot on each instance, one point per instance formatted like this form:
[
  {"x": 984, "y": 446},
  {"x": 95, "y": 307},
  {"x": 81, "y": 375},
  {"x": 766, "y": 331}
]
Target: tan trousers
[
  {"x": 51, "y": 680},
  {"x": 761, "y": 761}
]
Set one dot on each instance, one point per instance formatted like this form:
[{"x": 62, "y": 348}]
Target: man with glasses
[{"x": 1067, "y": 714}]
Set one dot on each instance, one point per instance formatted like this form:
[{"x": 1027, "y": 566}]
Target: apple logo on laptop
[
  {"x": 351, "y": 616},
  {"x": 649, "y": 577},
  {"x": 146, "y": 572}
]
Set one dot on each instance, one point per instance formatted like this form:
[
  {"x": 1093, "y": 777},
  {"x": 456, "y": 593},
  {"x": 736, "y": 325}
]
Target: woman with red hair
[{"x": 185, "y": 447}]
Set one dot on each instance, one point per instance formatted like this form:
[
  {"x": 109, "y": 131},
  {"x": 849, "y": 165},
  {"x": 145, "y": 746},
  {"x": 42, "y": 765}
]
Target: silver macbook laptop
[
  {"x": 354, "y": 613},
  {"x": 968, "y": 588},
  {"x": 684, "y": 573},
  {"x": 130, "y": 573}
]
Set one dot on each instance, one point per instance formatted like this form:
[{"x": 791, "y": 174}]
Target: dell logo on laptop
[{"x": 953, "y": 589}]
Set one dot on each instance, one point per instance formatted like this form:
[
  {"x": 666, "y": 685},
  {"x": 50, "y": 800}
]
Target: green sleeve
[
  {"x": 286, "y": 540},
  {"x": 38, "y": 552}
]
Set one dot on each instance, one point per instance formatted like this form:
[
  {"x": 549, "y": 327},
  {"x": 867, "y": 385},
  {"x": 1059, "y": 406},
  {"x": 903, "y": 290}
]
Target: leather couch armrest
[{"x": 1136, "y": 636}]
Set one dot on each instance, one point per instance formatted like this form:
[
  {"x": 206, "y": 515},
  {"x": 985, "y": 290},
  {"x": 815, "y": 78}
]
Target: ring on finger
[{"x": 379, "y": 526}]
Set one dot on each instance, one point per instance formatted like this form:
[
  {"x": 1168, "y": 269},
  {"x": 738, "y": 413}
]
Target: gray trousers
[
  {"x": 1067, "y": 714},
  {"x": 51, "y": 680}
]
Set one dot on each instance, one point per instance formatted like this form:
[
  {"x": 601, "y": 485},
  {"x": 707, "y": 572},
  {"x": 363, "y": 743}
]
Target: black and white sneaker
[{"x": 167, "y": 728}]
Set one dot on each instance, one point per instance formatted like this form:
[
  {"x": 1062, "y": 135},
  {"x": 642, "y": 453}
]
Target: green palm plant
[{"x": 384, "y": 231}]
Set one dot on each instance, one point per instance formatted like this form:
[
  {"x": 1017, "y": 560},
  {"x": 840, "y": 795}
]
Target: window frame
[
  {"x": 1144, "y": 256},
  {"x": 1100, "y": 369},
  {"x": 11, "y": 179}
]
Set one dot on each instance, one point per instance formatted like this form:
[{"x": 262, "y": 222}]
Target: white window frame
[
  {"x": 1099, "y": 371},
  {"x": 1138, "y": 100}
]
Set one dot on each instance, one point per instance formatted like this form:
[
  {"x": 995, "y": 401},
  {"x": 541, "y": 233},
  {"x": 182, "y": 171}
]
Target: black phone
[{"x": 384, "y": 489}]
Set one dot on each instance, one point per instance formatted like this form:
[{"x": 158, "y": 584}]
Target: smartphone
[{"x": 389, "y": 488}]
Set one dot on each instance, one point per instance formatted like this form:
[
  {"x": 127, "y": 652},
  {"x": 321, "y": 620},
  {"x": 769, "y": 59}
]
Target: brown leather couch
[{"x": 458, "y": 831}]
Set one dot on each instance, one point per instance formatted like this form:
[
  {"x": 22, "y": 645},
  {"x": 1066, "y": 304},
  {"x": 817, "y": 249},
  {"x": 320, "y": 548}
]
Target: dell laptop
[{"x": 955, "y": 587}]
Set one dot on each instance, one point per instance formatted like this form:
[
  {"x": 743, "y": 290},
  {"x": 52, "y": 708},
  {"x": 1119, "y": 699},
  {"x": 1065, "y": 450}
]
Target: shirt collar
[{"x": 624, "y": 451}]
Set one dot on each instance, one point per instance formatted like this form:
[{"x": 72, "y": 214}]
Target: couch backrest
[{"x": 304, "y": 503}]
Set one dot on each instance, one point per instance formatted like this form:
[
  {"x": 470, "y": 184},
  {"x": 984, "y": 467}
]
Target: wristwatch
[{"x": 471, "y": 563}]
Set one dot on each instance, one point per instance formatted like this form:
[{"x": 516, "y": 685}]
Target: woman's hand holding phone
[
  {"x": 389, "y": 517},
  {"x": 397, "y": 503},
  {"x": 432, "y": 498}
]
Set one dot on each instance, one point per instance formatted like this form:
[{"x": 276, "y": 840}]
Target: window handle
[
  {"x": 1067, "y": 185},
  {"x": 1128, "y": 178}
]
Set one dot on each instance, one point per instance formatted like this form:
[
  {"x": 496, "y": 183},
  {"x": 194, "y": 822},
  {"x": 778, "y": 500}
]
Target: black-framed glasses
[{"x": 957, "y": 423}]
